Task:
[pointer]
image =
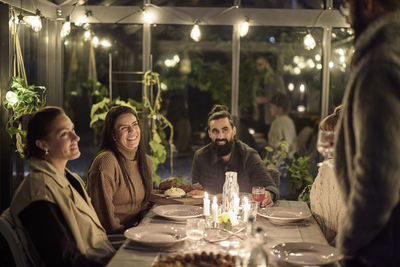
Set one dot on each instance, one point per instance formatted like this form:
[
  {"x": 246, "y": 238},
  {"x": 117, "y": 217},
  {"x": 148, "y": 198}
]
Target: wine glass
[
  {"x": 258, "y": 193},
  {"x": 325, "y": 143},
  {"x": 195, "y": 229}
]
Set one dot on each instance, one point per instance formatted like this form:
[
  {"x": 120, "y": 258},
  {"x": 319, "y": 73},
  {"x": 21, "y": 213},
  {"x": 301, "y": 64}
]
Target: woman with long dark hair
[
  {"x": 120, "y": 177},
  {"x": 51, "y": 204}
]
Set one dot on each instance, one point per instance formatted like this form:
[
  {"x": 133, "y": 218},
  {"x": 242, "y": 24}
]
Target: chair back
[{"x": 16, "y": 240}]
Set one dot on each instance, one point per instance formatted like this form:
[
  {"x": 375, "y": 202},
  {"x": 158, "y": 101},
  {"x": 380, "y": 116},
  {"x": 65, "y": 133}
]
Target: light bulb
[
  {"x": 302, "y": 88},
  {"x": 87, "y": 35},
  {"x": 65, "y": 29},
  {"x": 301, "y": 108},
  {"x": 34, "y": 21},
  {"x": 244, "y": 28},
  {"x": 195, "y": 34},
  {"x": 291, "y": 86},
  {"x": 105, "y": 43},
  {"x": 12, "y": 98},
  {"x": 309, "y": 42},
  {"x": 148, "y": 17},
  {"x": 81, "y": 20},
  {"x": 95, "y": 41}
]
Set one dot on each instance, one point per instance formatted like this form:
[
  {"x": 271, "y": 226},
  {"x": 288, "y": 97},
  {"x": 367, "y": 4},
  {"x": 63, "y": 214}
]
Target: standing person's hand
[{"x": 267, "y": 201}]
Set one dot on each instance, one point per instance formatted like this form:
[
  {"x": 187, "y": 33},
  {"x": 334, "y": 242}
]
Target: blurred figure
[
  {"x": 177, "y": 114},
  {"x": 120, "y": 176},
  {"x": 326, "y": 200},
  {"x": 225, "y": 153},
  {"x": 282, "y": 127},
  {"x": 367, "y": 149},
  {"x": 51, "y": 204},
  {"x": 265, "y": 85}
]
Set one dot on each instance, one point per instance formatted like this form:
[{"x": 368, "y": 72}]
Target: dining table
[{"x": 306, "y": 230}]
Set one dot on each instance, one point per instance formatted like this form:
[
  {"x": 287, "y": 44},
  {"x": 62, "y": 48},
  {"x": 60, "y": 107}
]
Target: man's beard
[{"x": 222, "y": 150}]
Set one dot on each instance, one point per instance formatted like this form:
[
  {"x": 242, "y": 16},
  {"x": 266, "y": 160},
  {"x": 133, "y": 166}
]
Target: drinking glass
[
  {"x": 258, "y": 193},
  {"x": 195, "y": 231},
  {"x": 325, "y": 143}
]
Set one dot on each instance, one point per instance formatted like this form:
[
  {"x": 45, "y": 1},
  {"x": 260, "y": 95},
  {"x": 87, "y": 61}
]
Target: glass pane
[
  {"x": 275, "y": 60},
  {"x": 342, "y": 50},
  {"x": 87, "y": 60},
  {"x": 288, "y": 4},
  {"x": 194, "y": 75}
]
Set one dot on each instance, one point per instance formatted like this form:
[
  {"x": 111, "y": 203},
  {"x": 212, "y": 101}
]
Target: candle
[
  {"x": 236, "y": 201},
  {"x": 246, "y": 209},
  {"x": 214, "y": 209},
  {"x": 233, "y": 217},
  {"x": 206, "y": 205}
]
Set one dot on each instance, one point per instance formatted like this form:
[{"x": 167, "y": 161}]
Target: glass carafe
[{"x": 231, "y": 187}]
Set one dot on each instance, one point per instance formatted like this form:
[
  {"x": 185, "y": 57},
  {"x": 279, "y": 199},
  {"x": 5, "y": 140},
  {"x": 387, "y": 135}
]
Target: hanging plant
[{"x": 21, "y": 100}]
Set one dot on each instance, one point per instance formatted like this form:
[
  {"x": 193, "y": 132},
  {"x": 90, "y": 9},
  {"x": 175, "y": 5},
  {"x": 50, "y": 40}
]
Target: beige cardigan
[{"x": 46, "y": 183}]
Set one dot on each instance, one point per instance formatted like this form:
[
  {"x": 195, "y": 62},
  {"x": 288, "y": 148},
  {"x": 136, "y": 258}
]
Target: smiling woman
[{"x": 119, "y": 179}]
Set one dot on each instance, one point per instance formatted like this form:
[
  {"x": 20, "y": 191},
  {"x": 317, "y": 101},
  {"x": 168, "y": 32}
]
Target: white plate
[
  {"x": 306, "y": 253},
  {"x": 284, "y": 215},
  {"x": 196, "y": 196},
  {"x": 157, "y": 235},
  {"x": 178, "y": 212}
]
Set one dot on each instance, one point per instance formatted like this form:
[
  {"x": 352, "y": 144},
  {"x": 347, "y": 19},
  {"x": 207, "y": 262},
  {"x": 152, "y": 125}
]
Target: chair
[{"x": 16, "y": 240}]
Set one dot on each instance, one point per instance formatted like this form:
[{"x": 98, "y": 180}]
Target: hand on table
[{"x": 267, "y": 202}]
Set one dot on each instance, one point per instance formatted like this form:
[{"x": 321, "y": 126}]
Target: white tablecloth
[{"x": 306, "y": 231}]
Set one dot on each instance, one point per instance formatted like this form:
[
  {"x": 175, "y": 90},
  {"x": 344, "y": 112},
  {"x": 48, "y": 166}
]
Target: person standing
[
  {"x": 367, "y": 156},
  {"x": 120, "y": 177},
  {"x": 225, "y": 153}
]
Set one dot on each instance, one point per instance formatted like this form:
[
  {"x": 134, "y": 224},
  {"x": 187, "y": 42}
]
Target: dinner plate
[
  {"x": 178, "y": 212},
  {"x": 196, "y": 196},
  {"x": 157, "y": 235},
  {"x": 284, "y": 215},
  {"x": 306, "y": 253}
]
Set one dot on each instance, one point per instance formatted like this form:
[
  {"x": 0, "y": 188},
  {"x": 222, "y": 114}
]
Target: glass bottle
[
  {"x": 231, "y": 187},
  {"x": 252, "y": 251}
]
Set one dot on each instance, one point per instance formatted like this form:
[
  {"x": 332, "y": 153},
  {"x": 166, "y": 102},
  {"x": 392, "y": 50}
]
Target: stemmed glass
[
  {"x": 258, "y": 193},
  {"x": 195, "y": 229},
  {"x": 325, "y": 143}
]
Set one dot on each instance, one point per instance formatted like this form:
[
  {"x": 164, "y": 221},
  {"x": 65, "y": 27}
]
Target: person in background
[
  {"x": 367, "y": 160},
  {"x": 51, "y": 204},
  {"x": 282, "y": 127},
  {"x": 120, "y": 176},
  {"x": 225, "y": 153},
  {"x": 326, "y": 201}
]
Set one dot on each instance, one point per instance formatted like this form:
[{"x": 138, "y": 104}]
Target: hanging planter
[{"x": 21, "y": 99}]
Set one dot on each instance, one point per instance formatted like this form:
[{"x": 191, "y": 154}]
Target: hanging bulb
[
  {"x": 87, "y": 35},
  {"x": 66, "y": 28},
  {"x": 34, "y": 21},
  {"x": 195, "y": 34},
  {"x": 148, "y": 17},
  {"x": 309, "y": 42},
  {"x": 95, "y": 41},
  {"x": 244, "y": 28}
]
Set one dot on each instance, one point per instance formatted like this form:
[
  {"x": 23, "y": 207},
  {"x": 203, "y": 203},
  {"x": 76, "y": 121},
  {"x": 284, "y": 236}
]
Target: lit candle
[
  {"x": 246, "y": 209},
  {"x": 236, "y": 201},
  {"x": 206, "y": 205},
  {"x": 214, "y": 209},
  {"x": 233, "y": 217}
]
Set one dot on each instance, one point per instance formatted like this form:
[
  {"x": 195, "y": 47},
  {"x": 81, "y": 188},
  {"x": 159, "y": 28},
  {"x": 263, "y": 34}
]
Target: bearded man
[
  {"x": 367, "y": 156},
  {"x": 225, "y": 153}
]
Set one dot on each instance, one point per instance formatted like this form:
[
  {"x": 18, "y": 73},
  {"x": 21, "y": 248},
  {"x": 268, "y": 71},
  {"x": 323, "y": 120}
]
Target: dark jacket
[{"x": 368, "y": 147}]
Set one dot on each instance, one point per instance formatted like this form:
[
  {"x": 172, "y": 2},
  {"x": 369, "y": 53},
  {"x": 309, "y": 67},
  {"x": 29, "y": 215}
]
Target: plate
[
  {"x": 156, "y": 235},
  {"x": 306, "y": 253},
  {"x": 196, "y": 196},
  {"x": 178, "y": 212},
  {"x": 284, "y": 215}
]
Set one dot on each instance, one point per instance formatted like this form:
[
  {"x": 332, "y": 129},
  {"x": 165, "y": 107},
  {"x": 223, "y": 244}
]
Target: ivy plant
[{"x": 21, "y": 100}]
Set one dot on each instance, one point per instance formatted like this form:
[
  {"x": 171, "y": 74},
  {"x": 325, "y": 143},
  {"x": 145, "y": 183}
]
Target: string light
[
  {"x": 12, "y": 98},
  {"x": 87, "y": 35},
  {"x": 148, "y": 17},
  {"x": 244, "y": 28},
  {"x": 95, "y": 41},
  {"x": 105, "y": 43},
  {"x": 309, "y": 42},
  {"x": 195, "y": 34},
  {"x": 66, "y": 28},
  {"x": 35, "y": 22}
]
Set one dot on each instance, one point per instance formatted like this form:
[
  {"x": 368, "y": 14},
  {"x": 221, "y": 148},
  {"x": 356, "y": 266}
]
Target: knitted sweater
[{"x": 110, "y": 194}]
